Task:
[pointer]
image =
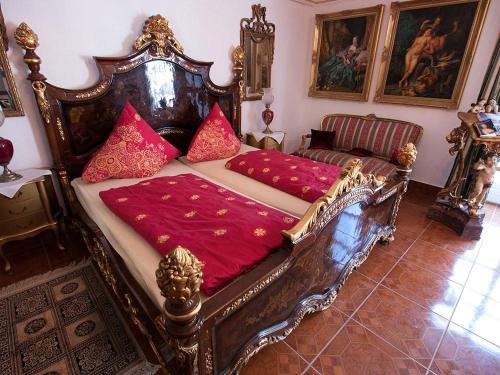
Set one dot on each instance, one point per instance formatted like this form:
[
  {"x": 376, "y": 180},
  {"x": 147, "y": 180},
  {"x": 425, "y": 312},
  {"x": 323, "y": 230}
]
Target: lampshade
[{"x": 268, "y": 97}]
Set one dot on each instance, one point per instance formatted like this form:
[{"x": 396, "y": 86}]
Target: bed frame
[{"x": 173, "y": 93}]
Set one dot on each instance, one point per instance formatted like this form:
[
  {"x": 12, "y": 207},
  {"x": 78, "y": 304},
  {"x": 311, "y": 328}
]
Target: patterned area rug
[{"x": 65, "y": 322}]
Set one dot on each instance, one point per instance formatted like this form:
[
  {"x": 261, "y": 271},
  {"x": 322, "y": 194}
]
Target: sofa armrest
[{"x": 303, "y": 142}]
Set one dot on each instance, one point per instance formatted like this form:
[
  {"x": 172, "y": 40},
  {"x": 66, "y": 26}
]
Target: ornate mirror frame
[
  {"x": 9, "y": 97},
  {"x": 257, "y": 40}
]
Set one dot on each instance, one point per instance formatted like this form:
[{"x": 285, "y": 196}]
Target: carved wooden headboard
[{"x": 171, "y": 91}]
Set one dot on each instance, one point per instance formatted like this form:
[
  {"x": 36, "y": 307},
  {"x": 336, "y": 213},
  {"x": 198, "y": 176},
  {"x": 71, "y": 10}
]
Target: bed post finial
[
  {"x": 28, "y": 40},
  {"x": 179, "y": 277},
  {"x": 406, "y": 156}
]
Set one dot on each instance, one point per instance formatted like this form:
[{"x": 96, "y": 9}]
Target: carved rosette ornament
[
  {"x": 407, "y": 155},
  {"x": 156, "y": 29}
]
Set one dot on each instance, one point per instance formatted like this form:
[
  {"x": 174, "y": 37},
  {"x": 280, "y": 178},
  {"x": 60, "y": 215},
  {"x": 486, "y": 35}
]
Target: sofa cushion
[
  {"x": 380, "y": 136},
  {"x": 372, "y": 165}
]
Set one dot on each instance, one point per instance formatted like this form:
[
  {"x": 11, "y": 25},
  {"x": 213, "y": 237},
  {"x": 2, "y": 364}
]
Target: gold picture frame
[
  {"x": 431, "y": 68},
  {"x": 343, "y": 60},
  {"x": 9, "y": 97}
]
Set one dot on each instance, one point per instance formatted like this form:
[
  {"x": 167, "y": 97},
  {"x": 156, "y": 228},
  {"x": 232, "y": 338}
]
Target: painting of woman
[
  {"x": 340, "y": 69},
  {"x": 345, "y": 46}
]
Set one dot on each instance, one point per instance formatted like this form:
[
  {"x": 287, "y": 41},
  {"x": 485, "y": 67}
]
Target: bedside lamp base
[{"x": 8, "y": 175}]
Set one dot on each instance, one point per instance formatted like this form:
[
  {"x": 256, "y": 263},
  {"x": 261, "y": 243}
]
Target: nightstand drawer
[
  {"x": 16, "y": 208},
  {"x": 23, "y": 223},
  {"x": 27, "y": 192}
]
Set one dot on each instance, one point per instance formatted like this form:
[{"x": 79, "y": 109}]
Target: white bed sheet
[
  {"x": 141, "y": 259},
  {"x": 216, "y": 170}
]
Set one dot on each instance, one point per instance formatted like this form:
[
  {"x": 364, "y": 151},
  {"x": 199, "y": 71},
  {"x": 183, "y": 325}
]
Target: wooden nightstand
[
  {"x": 28, "y": 213},
  {"x": 266, "y": 143}
]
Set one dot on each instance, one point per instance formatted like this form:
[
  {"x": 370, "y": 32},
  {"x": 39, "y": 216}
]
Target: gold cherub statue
[{"x": 484, "y": 170}]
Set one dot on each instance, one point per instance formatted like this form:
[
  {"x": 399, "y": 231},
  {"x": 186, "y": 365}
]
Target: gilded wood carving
[{"x": 257, "y": 41}]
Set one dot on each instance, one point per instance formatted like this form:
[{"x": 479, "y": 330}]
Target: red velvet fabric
[
  {"x": 226, "y": 231},
  {"x": 215, "y": 139},
  {"x": 303, "y": 178},
  {"x": 132, "y": 150}
]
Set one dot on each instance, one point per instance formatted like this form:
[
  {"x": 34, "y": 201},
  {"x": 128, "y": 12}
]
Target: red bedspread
[
  {"x": 303, "y": 178},
  {"x": 226, "y": 231}
]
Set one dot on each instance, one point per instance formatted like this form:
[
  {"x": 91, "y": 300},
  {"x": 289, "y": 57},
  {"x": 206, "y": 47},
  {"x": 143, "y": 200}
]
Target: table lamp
[
  {"x": 268, "y": 115},
  {"x": 6, "y": 153}
]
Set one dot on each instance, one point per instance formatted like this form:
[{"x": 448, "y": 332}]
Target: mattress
[
  {"x": 141, "y": 259},
  {"x": 216, "y": 170}
]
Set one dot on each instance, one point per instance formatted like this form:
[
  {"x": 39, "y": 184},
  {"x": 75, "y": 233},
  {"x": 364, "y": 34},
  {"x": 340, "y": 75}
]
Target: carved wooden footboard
[
  {"x": 303, "y": 276},
  {"x": 265, "y": 304}
]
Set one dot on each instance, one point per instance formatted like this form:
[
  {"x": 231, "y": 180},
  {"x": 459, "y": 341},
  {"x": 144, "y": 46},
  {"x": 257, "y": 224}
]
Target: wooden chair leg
[
  {"x": 7, "y": 266},
  {"x": 58, "y": 234}
]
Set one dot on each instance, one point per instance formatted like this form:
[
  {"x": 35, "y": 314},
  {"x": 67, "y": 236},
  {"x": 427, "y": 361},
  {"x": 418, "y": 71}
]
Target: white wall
[
  {"x": 71, "y": 31},
  {"x": 433, "y": 163}
]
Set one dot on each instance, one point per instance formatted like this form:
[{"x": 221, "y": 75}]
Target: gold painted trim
[
  {"x": 93, "y": 93},
  {"x": 465, "y": 66},
  {"x": 185, "y": 317},
  {"x": 377, "y": 12},
  {"x": 17, "y": 109},
  {"x": 350, "y": 178},
  {"x": 256, "y": 289}
]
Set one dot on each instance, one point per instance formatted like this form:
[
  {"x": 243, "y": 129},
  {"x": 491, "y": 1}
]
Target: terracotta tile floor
[{"x": 428, "y": 303}]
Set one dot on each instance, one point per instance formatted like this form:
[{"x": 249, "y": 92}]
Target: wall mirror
[
  {"x": 9, "y": 97},
  {"x": 257, "y": 39}
]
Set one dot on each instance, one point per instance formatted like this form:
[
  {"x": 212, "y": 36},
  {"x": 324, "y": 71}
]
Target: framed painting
[
  {"x": 428, "y": 51},
  {"x": 344, "y": 52}
]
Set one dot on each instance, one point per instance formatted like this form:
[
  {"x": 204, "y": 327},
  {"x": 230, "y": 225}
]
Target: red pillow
[
  {"x": 322, "y": 139},
  {"x": 215, "y": 138},
  {"x": 132, "y": 150}
]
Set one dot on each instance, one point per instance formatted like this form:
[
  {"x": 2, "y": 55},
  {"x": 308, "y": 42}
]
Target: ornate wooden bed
[{"x": 173, "y": 93}]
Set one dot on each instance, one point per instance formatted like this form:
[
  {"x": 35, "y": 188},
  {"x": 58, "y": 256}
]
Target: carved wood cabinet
[{"x": 31, "y": 211}]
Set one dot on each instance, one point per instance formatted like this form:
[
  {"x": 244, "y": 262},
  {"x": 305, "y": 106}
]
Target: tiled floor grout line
[
  {"x": 429, "y": 371},
  {"x": 365, "y": 299}
]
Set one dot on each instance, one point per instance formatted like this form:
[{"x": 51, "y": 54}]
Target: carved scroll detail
[
  {"x": 261, "y": 285},
  {"x": 350, "y": 178},
  {"x": 258, "y": 23},
  {"x": 156, "y": 29}
]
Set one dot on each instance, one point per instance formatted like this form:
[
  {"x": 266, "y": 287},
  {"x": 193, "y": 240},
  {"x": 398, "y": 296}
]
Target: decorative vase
[
  {"x": 6, "y": 153},
  {"x": 267, "y": 114}
]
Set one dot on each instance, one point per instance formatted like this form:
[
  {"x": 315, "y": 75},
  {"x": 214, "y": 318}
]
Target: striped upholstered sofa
[{"x": 379, "y": 136}]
